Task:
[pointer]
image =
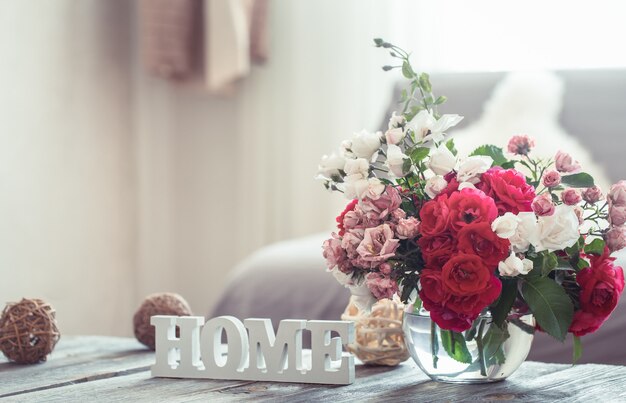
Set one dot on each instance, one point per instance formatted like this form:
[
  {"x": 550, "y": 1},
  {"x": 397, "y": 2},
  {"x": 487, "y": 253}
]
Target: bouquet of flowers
[{"x": 499, "y": 231}]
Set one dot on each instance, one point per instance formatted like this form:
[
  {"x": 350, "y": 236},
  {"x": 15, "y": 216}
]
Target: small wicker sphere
[
  {"x": 166, "y": 303},
  {"x": 28, "y": 331},
  {"x": 379, "y": 338}
]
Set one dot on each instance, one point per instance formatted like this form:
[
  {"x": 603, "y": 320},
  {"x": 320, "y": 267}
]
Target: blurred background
[{"x": 151, "y": 145}]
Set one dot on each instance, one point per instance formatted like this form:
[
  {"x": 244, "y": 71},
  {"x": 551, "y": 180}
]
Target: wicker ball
[
  {"x": 379, "y": 337},
  {"x": 28, "y": 331},
  {"x": 165, "y": 303}
]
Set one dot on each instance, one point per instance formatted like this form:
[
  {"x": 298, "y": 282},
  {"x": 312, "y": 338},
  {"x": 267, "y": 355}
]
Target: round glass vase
[{"x": 484, "y": 353}]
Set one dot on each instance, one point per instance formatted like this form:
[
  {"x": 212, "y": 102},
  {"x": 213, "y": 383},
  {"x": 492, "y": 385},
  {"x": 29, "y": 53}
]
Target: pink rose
[
  {"x": 551, "y": 179},
  {"x": 565, "y": 163},
  {"x": 397, "y": 215},
  {"x": 351, "y": 220},
  {"x": 571, "y": 197},
  {"x": 592, "y": 194},
  {"x": 509, "y": 189},
  {"x": 385, "y": 269},
  {"x": 386, "y": 203},
  {"x": 335, "y": 255},
  {"x": 380, "y": 285},
  {"x": 351, "y": 241},
  {"x": 617, "y": 194},
  {"x": 542, "y": 205},
  {"x": 408, "y": 228},
  {"x": 520, "y": 145},
  {"x": 617, "y": 215},
  {"x": 378, "y": 245},
  {"x": 341, "y": 218},
  {"x": 615, "y": 238}
]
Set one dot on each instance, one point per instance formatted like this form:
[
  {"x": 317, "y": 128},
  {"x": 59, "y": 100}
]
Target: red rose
[
  {"x": 449, "y": 320},
  {"x": 439, "y": 245},
  {"x": 472, "y": 305},
  {"x": 509, "y": 189},
  {"x": 585, "y": 323},
  {"x": 339, "y": 219},
  {"x": 434, "y": 216},
  {"x": 431, "y": 289},
  {"x": 470, "y": 205},
  {"x": 479, "y": 239},
  {"x": 453, "y": 185},
  {"x": 465, "y": 275},
  {"x": 437, "y": 259},
  {"x": 600, "y": 286}
]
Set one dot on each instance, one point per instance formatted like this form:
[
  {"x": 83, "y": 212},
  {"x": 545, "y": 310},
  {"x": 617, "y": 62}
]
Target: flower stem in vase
[
  {"x": 434, "y": 344},
  {"x": 481, "y": 347}
]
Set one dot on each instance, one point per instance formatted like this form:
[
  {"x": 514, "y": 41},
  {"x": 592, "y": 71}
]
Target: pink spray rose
[
  {"x": 617, "y": 194},
  {"x": 551, "y": 179},
  {"x": 543, "y": 206},
  {"x": 565, "y": 163},
  {"x": 380, "y": 285},
  {"x": 617, "y": 215},
  {"x": 580, "y": 213},
  {"x": 592, "y": 194},
  {"x": 335, "y": 255},
  {"x": 571, "y": 197},
  {"x": 378, "y": 245},
  {"x": 509, "y": 189},
  {"x": 520, "y": 145},
  {"x": 615, "y": 238},
  {"x": 408, "y": 228},
  {"x": 388, "y": 201}
]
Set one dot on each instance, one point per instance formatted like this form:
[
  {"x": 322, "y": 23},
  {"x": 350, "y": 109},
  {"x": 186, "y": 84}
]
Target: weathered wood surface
[{"x": 110, "y": 369}]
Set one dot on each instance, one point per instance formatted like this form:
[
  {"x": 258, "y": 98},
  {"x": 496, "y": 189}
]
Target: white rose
[
  {"x": 358, "y": 187},
  {"x": 469, "y": 169},
  {"x": 358, "y": 166},
  {"x": 557, "y": 231},
  {"x": 435, "y": 185},
  {"x": 366, "y": 145},
  {"x": 513, "y": 266},
  {"x": 395, "y": 161},
  {"x": 330, "y": 166},
  {"x": 394, "y": 136},
  {"x": 362, "y": 297},
  {"x": 505, "y": 226},
  {"x": 426, "y": 127},
  {"x": 396, "y": 121},
  {"x": 442, "y": 161},
  {"x": 526, "y": 232}
]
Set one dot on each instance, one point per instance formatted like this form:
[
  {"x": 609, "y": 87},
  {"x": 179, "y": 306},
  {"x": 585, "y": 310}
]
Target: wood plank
[{"x": 76, "y": 359}]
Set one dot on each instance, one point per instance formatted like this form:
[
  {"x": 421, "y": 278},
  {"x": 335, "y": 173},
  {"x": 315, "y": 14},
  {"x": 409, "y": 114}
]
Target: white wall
[
  {"x": 114, "y": 184},
  {"x": 67, "y": 204}
]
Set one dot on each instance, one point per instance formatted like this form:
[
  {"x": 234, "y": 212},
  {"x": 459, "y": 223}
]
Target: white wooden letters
[{"x": 253, "y": 351}]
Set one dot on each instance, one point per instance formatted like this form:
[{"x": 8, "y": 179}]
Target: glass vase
[{"x": 484, "y": 353}]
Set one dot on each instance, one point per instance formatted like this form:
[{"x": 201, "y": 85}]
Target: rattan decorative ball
[
  {"x": 28, "y": 331},
  {"x": 379, "y": 337},
  {"x": 165, "y": 303}
]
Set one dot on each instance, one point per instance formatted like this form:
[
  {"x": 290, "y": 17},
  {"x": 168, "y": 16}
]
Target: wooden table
[{"x": 112, "y": 369}]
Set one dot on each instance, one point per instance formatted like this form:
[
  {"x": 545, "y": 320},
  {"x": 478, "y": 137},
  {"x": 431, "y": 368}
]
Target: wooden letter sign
[{"x": 255, "y": 354}]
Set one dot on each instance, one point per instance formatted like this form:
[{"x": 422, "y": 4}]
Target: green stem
[
  {"x": 434, "y": 346},
  {"x": 481, "y": 347}
]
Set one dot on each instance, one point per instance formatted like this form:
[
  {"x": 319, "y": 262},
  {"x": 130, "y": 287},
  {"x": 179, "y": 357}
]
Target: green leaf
[
  {"x": 579, "y": 180},
  {"x": 407, "y": 71},
  {"x": 578, "y": 350},
  {"x": 419, "y": 154},
  {"x": 406, "y": 166},
  {"x": 403, "y": 96},
  {"x": 450, "y": 146},
  {"x": 551, "y": 306},
  {"x": 492, "y": 151},
  {"x": 492, "y": 344},
  {"x": 545, "y": 262},
  {"x": 454, "y": 344},
  {"x": 500, "y": 310},
  {"x": 581, "y": 264},
  {"x": 378, "y": 41},
  {"x": 596, "y": 247},
  {"x": 440, "y": 100},
  {"x": 424, "y": 82}
]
